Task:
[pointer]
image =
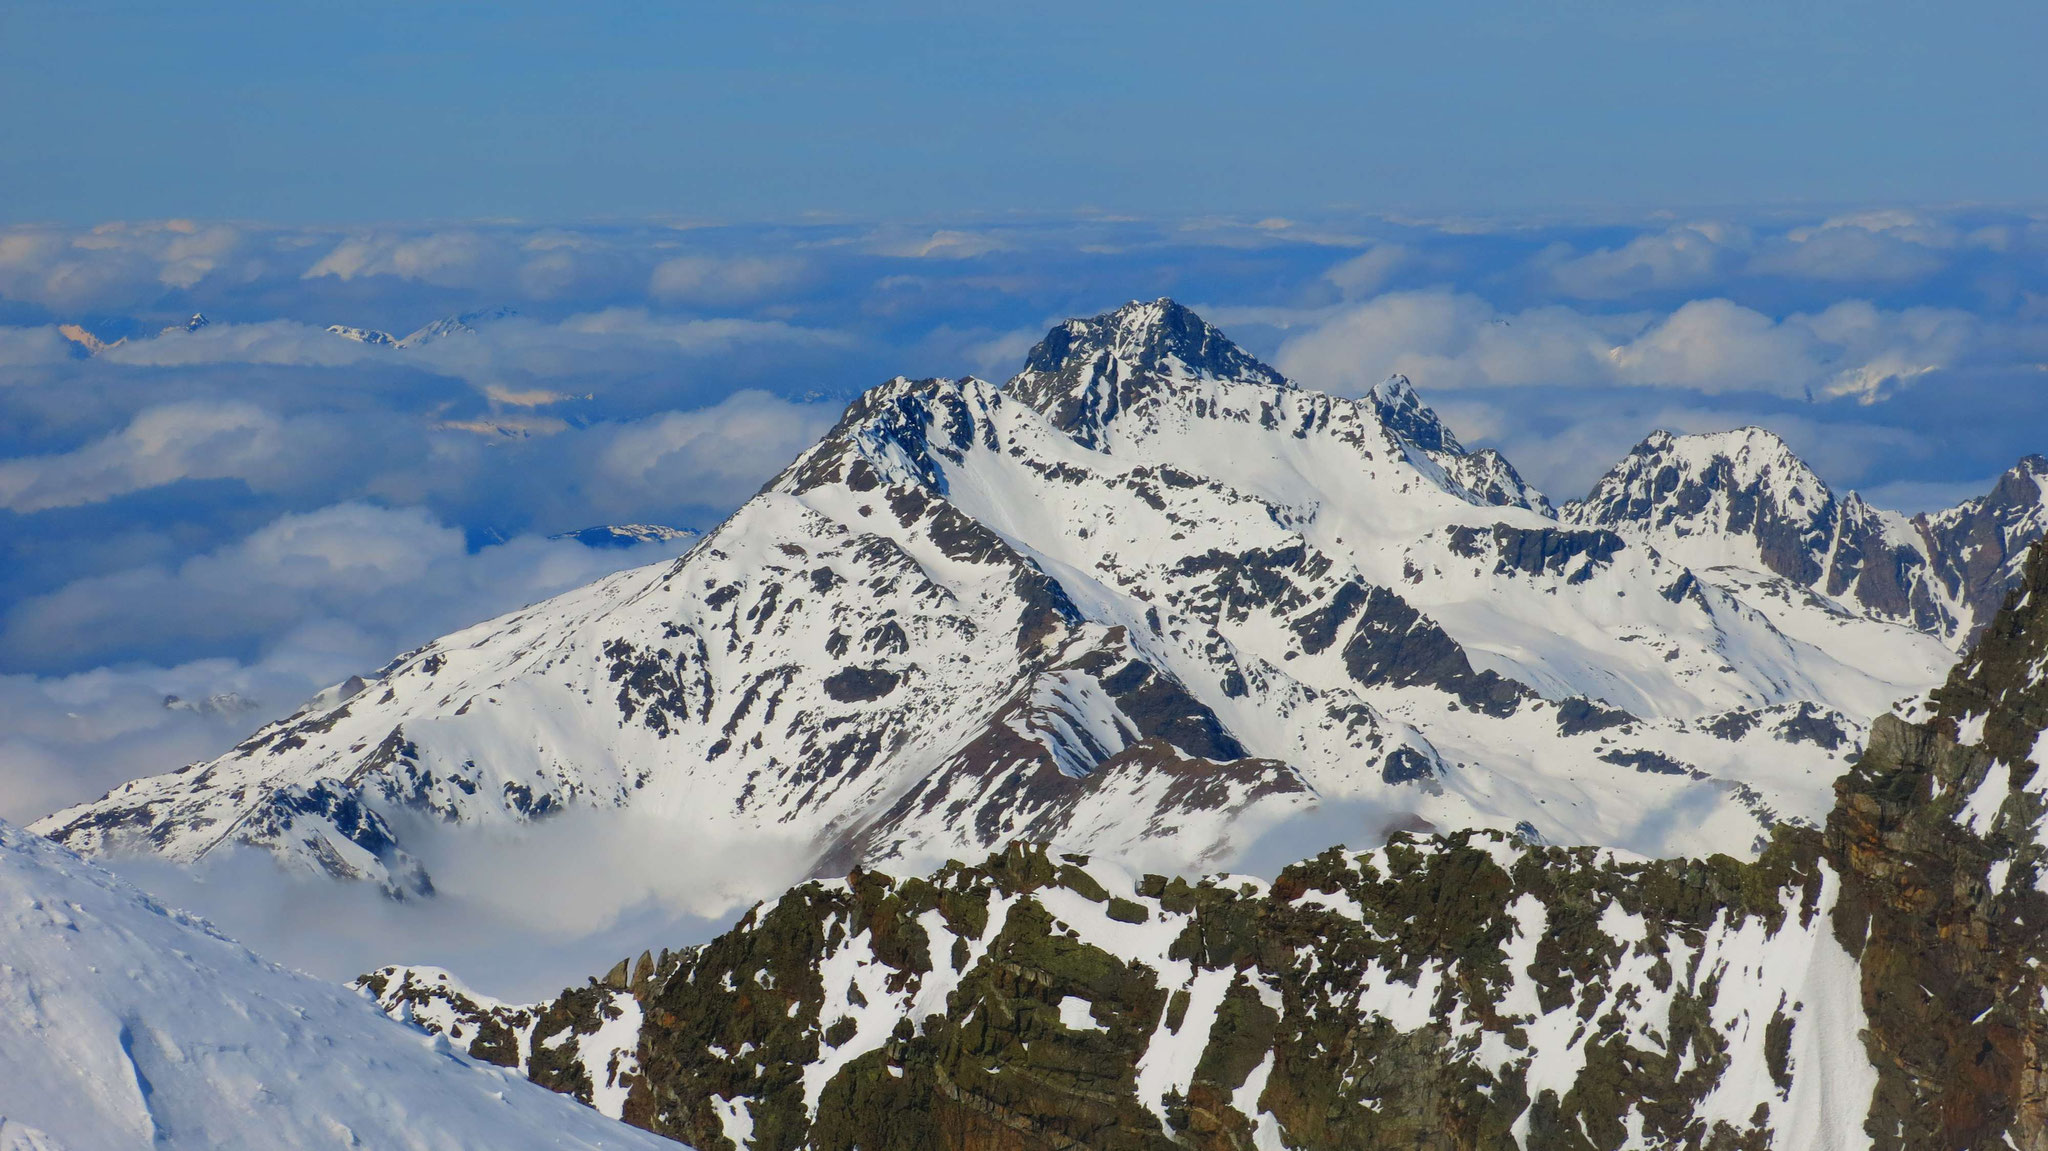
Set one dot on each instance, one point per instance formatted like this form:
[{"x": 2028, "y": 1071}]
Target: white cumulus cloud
[{"x": 1452, "y": 340}]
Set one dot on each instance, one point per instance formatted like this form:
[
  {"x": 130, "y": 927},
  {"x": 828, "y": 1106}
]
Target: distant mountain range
[
  {"x": 625, "y": 535},
  {"x": 1151, "y": 600},
  {"x": 464, "y": 324}
]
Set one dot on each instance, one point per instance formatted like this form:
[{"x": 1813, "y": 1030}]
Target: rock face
[
  {"x": 1978, "y": 547},
  {"x": 1146, "y": 600},
  {"x": 1485, "y": 475},
  {"x": 1875, "y": 983}
]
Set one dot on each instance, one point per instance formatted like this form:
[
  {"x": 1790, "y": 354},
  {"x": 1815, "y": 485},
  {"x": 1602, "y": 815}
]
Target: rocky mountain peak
[
  {"x": 1401, "y": 409},
  {"x": 1485, "y": 475},
  {"x": 1742, "y": 498},
  {"x": 1085, "y": 371},
  {"x": 1745, "y": 482},
  {"x": 1739, "y": 456}
]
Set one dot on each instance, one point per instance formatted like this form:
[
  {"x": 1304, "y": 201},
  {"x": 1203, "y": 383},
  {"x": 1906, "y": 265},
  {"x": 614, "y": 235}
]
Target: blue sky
[
  {"x": 716, "y": 224},
  {"x": 290, "y": 111}
]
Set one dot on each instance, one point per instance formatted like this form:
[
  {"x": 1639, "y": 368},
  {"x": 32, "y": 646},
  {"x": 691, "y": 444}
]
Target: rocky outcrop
[{"x": 1462, "y": 992}]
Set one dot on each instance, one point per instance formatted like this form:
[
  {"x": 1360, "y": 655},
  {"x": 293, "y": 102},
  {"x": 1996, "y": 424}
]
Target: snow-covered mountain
[
  {"x": 371, "y": 336},
  {"x": 125, "y": 1024},
  {"x": 1147, "y": 599},
  {"x": 1733, "y": 505},
  {"x": 465, "y": 324}
]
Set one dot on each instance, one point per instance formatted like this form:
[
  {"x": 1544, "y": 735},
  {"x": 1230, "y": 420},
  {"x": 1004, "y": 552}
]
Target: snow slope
[{"x": 127, "y": 1024}]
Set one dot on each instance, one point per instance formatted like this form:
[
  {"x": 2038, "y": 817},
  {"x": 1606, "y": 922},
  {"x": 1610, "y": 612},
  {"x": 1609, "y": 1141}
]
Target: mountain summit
[
  {"x": 1148, "y": 599},
  {"x": 1742, "y": 499},
  {"x": 1085, "y": 372}
]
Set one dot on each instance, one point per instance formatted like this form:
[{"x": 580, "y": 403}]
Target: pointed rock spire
[{"x": 1404, "y": 414}]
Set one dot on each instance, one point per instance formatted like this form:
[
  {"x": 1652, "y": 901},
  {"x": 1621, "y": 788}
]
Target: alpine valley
[{"x": 1148, "y": 601}]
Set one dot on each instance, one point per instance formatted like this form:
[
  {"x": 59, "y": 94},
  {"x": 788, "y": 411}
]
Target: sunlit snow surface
[{"x": 124, "y": 1024}]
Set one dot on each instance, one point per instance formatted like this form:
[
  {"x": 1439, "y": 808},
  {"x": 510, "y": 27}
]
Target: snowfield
[{"x": 126, "y": 1024}]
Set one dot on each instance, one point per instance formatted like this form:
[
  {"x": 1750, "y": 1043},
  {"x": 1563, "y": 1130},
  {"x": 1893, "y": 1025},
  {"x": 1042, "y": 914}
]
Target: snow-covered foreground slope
[
  {"x": 1877, "y": 983},
  {"x": 125, "y": 1024},
  {"x": 1148, "y": 599}
]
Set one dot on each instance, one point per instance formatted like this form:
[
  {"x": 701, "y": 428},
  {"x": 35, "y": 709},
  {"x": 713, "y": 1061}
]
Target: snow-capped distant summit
[
  {"x": 1087, "y": 371},
  {"x": 625, "y": 535},
  {"x": 1744, "y": 500},
  {"x": 197, "y": 322},
  {"x": 87, "y": 342},
  {"x": 462, "y": 325},
  {"x": 369, "y": 336},
  {"x": 465, "y": 324}
]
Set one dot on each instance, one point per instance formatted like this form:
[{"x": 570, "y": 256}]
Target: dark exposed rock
[
  {"x": 1646, "y": 761},
  {"x": 666, "y": 687},
  {"x": 1579, "y": 715},
  {"x": 1732, "y": 725},
  {"x": 1085, "y": 372},
  {"x": 1539, "y": 551},
  {"x": 1406, "y": 765},
  {"x": 860, "y": 684},
  {"x": 1394, "y": 644},
  {"x": 1811, "y": 725}
]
